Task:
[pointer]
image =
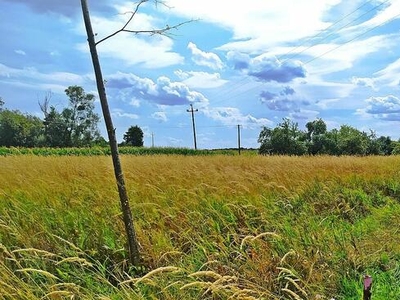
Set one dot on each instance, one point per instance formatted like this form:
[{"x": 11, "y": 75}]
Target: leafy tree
[
  {"x": 56, "y": 129},
  {"x": 1, "y": 104},
  {"x": 351, "y": 141},
  {"x": 19, "y": 130},
  {"x": 286, "y": 138},
  {"x": 80, "y": 117},
  {"x": 75, "y": 125},
  {"x": 317, "y": 139},
  {"x": 396, "y": 148},
  {"x": 134, "y": 136},
  {"x": 386, "y": 145}
]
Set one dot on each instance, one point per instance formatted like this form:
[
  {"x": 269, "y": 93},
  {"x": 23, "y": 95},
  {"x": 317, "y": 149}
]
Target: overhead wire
[
  {"x": 317, "y": 35},
  {"x": 243, "y": 80},
  {"x": 331, "y": 50}
]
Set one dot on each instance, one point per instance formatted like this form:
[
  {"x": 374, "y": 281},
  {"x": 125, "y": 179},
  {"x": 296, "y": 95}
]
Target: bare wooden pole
[{"x": 134, "y": 255}]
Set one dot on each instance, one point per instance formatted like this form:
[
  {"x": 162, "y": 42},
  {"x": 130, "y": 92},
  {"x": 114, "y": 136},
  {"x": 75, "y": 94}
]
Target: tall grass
[{"x": 210, "y": 227}]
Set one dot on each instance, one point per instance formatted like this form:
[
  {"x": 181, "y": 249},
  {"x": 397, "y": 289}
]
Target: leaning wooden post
[
  {"x": 134, "y": 256},
  {"x": 367, "y": 287}
]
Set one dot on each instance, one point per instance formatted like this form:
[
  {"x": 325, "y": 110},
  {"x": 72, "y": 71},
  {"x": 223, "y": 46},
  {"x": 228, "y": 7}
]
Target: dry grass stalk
[
  {"x": 152, "y": 273},
  {"x": 79, "y": 260},
  {"x": 42, "y": 272},
  {"x": 35, "y": 251},
  {"x": 252, "y": 238},
  {"x": 292, "y": 281},
  {"x": 293, "y": 294},
  {"x": 206, "y": 274}
]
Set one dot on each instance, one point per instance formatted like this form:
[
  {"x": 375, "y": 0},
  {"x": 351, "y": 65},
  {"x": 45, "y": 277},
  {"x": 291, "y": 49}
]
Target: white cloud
[
  {"x": 20, "y": 52},
  {"x": 390, "y": 74},
  {"x": 233, "y": 116},
  {"x": 206, "y": 59},
  {"x": 160, "y": 116},
  {"x": 270, "y": 22},
  {"x": 39, "y": 80},
  {"x": 163, "y": 91},
  {"x": 328, "y": 58},
  {"x": 201, "y": 79},
  {"x": 122, "y": 114},
  {"x": 365, "y": 82}
]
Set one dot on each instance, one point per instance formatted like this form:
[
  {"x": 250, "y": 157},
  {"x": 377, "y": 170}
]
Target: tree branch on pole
[{"x": 133, "y": 245}]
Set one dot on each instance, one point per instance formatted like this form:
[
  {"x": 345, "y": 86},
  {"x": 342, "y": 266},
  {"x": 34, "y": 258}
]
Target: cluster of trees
[
  {"x": 73, "y": 126},
  {"x": 287, "y": 139}
]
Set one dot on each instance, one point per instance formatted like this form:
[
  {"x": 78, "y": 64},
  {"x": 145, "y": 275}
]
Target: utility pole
[
  {"x": 152, "y": 140},
  {"x": 191, "y": 110},
  {"x": 238, "y": 128}
]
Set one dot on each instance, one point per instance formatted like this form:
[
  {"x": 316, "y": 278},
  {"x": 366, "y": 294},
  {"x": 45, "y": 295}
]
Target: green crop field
[{"x": 209, "y": 227}]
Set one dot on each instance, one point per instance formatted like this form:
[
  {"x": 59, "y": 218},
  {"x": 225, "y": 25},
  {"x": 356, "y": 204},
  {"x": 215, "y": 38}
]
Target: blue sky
[{"x": 246, "y": 63}]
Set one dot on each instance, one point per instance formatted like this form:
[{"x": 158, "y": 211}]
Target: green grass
[
  {"x": 209, "y": 227},
  {"x": 96, "y": 150}
]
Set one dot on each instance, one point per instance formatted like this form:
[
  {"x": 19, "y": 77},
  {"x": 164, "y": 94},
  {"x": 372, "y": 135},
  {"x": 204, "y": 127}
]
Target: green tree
[
  {"x": 134, "y": 136},
  {"x": 317, "y": 139},
  {"x": 1, "y": 104},
  {"x": 19, "y": 130},
  {"x": 396, "y": 148},
  {"x": 352, "y": 141},
  {"x": 80, "y": 117},
  {"x": 285, "y": 139},
  {"x": 56, "y": 129},
  {"x": 74, "y": 126}
]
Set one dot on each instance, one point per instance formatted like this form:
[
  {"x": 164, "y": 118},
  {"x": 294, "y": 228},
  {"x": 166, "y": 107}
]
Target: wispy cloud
[{"x": 233, "y": 116}]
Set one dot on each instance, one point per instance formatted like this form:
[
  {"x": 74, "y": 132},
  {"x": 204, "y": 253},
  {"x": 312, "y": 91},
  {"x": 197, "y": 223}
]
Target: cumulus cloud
[
  {"x": 239, "y": 60},
  {"x": 200, "y": 79},
  {"x": 267, "y": 68},
  {"x": 385, "y": 108},
  {"x": 271, "y": 69},
  {"x": 207, "y": 59},
  {"x": 163, "y": 91},
  {"x": 285, "y": 100}
]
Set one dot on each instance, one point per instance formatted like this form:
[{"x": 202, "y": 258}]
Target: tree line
[
  {"x": 287, "y": 139},
  {"x": 74, "y": 126}
]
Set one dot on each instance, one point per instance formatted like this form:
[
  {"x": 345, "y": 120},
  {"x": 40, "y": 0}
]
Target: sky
[{"x": 249, "y": 63}]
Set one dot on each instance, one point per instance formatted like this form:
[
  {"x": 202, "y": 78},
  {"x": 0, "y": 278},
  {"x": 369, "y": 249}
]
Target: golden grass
[{"x": 249, "y": 227}]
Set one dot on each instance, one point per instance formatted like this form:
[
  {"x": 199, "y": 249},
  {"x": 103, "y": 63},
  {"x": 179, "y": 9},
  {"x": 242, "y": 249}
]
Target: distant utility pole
[
  {"x": 152, "y": 140},
  {"x": 238, "y": 128},
  {"x": 191, "y": 110}
]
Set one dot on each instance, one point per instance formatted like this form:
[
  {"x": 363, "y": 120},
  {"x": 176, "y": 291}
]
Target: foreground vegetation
[
  {"x": 93, "y": 151},
  {"x": 210, "y": 227}
]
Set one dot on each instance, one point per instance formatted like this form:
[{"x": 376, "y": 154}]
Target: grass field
[{"x": 209, "y": 227}]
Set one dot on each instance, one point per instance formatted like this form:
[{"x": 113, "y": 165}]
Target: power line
[
  {"x": 332, "y": 33},
  {"x": 333, "y": 49},
  {"x": 315, "y": 36}
]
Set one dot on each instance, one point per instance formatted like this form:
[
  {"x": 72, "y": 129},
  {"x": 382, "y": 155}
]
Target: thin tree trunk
[{"x": 134, "y": 255}]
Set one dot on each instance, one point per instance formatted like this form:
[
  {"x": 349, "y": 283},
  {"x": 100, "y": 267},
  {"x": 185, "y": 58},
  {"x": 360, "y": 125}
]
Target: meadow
[{"x": 209, "y": 227}]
